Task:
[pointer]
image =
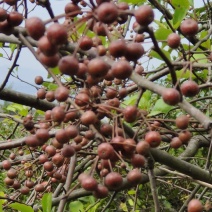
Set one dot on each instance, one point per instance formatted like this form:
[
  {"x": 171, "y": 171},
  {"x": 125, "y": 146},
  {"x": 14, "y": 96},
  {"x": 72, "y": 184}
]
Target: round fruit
[
  {"x": 39, "y": 188},
  {"x": 29, "y": 173},
  {"x": 46, "y": 47},
  {"x": 42, "y": 158},
  {"x": 61, "y": 94},
  {"x": 85, "y": 43},
  {"x": 117, "y": 48},
  {"x": 68, "y": 65},
  {"x": 182, "y": 122},
  {"x": 38, "y": 80},
  {"x": 57, "y": 34},
  {"x": 50, "y": 150},
  {"x": 101, "y": 192},
  {"x": 90, "y": 135},
  {"x": 113, "y": 180},
  {"x": 6, "y": 28},
  {"x": 16, "y": 185},
  {"x": 189, "y": 27},
  {"x": 129, "y": 145},
  {"x": 3, "y": 14},
  {"x": 139, "y": 38},
  {"x": 12, "y": 173},
  {"x": 130, "y": 113},
  {"x": 111, "y": 93},
  {"x": 72, "y": 10},
  {"x": 97, "y": 67},
  {"x": 29, "y": 183},
  {"x": 8, "y": 181},
  {"x": 82, "y": 176},
  {"x": 50, "y": 96},
  {"x": 175, "y": 143},
  {"x": 99, "y": 29},
  {"x": 68, "y": 151},
  {"x": 56, "y": 144},
  {"x": 6, "y": 164},
  {"x": 105, "y": 151},
  {"x": 195, "y": 206},
  {"x": 42, "y": 135},
  {"x": 81, "y": 73},
  {"x": 41, "y": 93},
  {"x": 122, "y": 18},
  {"x": 48, "y": 166},
  {"x": 89, "y": 183},
  {"x": 117, "y": 142},
  {"x": 72, "y": 131},
  {"x": 58, "y": 114},
  {"x": 107, "y": 12},
  {"x": 15, "y": 18},
  {"x": 123, "y": 92},
  {"x": 121, "y": 69},
  {"x": 171, "y": 96},
  {"x": 185, "y": 136},
  {"x": 89, "y": 117},
  {"x": 153, "y": 138},
  {"x": 50, "y": 61},
  {"x": 58, "y": 160},
  {"x": 106, "y": 129},
  {"x": 134, "y": 51},
  {"x": 35, "y": 27},
  {"x": 138, "y": 160},
  {"x": 189, "y": 88},
  {"x": 142, "y": 147},
  {"x": 24, "y": 190},
  {"x": 173, "y": 40},
  {"x": 144, "y": 15},
  {"x": 134, "y": 176},
  {"x": 82, "y": 99},
  {"x": 32, "y": 141},
  {"x": 62, "y": 136}
]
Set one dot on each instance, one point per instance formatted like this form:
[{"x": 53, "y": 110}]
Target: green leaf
[
  {"x": 180, "y": 3},
  {"x": 55, "y": 70},
  {"x": 160, "y": 107},
  {"x": 191, "y": 2},
  {"x": 181, "y": 8},
  {"x": 123, "y": 207},
  {"x": 161, "y": 24},
  {"x": 131, "y": 192},
  {"x": 138, "y": 2},
  {"x": 21, "y": 207},
  {"x": 206, "y": 44},
  {"x": 47, "y": 202},
  {"x": 2, "y": 201},
  {"x": 1, "y": 55},
  {"x": 154, "y": 54},
  {"x": 17, "y": 108},
  {"x": 130, "y": 100},
  {"x": 178, "y": 16},
  {"x": 50, "y": 85},
  {"x": 76, "y": 206},
  {"x": 144, "y": 102},
  {"x": 162, "y": 34},
  {"x": 13, "y": 47}
]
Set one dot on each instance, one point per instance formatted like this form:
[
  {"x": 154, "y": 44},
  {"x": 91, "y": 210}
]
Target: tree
[{"x": 121, "y": 120}]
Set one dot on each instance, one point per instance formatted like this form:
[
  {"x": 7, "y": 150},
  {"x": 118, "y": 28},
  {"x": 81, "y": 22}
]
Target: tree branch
[{"x": 25, "y": 99}]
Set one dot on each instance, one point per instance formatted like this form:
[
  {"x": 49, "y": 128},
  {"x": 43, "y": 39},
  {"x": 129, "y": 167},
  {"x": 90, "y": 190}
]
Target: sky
[{"x": 29, "y": 67}]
